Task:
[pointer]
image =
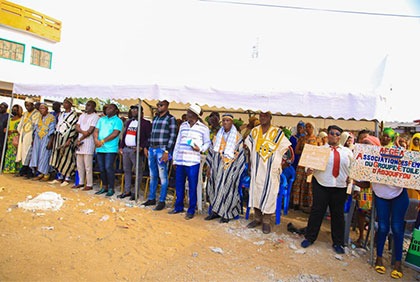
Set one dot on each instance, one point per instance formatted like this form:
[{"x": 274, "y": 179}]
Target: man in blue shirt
[{"x": 106, "y": 136}]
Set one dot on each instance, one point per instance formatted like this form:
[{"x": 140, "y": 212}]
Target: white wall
[{"x": 11, "y": 71}]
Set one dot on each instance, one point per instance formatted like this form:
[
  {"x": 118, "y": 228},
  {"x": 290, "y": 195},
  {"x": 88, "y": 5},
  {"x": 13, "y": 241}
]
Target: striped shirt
[
  {"x": 163, "y": 132},
  {"x": 85, "y": 122},
  {"x": 188, "y": 136}
]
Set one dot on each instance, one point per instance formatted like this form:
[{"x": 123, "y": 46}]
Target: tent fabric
[{"x": 317, "y": 104}]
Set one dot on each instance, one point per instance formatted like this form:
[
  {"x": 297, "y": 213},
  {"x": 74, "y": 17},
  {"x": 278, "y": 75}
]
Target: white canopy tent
[{"x": 344, "y": 105}]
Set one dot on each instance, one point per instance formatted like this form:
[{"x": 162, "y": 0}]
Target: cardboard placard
[
  {"x": 315, "y": 157},
  {"x": 392, "y": 166}
]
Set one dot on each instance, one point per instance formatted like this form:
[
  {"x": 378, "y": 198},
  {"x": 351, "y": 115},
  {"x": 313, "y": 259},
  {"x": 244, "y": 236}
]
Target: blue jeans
[
  {"x": 394, "y": 210},
  {"x": 106, "y": 164},
  {"x": 157, "y": 169},
  {"x": 182, "y": 173}
]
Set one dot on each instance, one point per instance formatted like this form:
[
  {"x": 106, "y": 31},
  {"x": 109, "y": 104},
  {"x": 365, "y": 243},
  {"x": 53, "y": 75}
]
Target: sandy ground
[{"x": 139, "y": 244}]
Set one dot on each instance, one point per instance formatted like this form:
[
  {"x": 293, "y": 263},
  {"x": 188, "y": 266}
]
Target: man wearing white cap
[
  {"x": 25, "y": 129},
  {"x": 193, "y": 139}
]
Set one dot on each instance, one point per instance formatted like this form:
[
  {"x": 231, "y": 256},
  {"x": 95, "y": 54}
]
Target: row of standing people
[{"x": 64, "y": 142}]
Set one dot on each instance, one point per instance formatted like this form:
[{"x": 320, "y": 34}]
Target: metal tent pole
[
  {"x": 372, "y": 213},
  {"x": 138, "y": 181}
]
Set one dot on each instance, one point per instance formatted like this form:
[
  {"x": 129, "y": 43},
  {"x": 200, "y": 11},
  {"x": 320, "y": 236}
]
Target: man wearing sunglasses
[
  {"x": 329, "y": 190},
  {"x": 161, "y": 144}
]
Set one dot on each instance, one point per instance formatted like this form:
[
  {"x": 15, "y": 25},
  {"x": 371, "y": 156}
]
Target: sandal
[
  {"x": 396, "y": 274},
  {"x": 380, "y": 269}
]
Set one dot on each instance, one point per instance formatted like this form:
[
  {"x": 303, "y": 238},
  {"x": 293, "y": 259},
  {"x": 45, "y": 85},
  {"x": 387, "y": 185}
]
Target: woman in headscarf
[
  {"x": 42, "y": 144},
  {"x": 391, "y": 204},
  {"x": 10, "y": 164},
  {"x": 323, "y": 136},
  {"x": 388, "y": 137},
  {"x": 300, "y": 131},
  {"x": 226, "y": 161},
  {"x": 414, "y": 146},
  {"x": 415, "y": 143},
  {"x": 346, "y": 140},
  {"x": 302, "y": 190}
]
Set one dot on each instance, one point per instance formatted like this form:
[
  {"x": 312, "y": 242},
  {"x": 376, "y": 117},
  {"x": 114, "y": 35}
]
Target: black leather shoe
[
  {"x": 254, "y": 224},
  {"x": 212, "y": 216},
  {"x": 175, "y": 212},
  {"x": 124, "y": 195},
  {"x": 132, "y": 197},
  {"x": 224, "y": 220},
  {"x": 102, "y": 191},
  {"x": 149, "y": 203},
  {"x": 160, "y": 206},
  {"x": 266, "y": 228},
  {"x": 189, "y": 216}
]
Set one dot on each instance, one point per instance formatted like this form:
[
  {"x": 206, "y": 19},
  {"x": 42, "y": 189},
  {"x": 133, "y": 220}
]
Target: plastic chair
[
  {"x": 282, "y": 194},
  {"x": 290, "y": 174},
  {"x": 282, "y": 191}
]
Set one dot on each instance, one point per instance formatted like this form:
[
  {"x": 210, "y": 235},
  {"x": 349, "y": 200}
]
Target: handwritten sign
[
  {"x": 315, "y": 157},
  {"x": 392, "y": 166}
]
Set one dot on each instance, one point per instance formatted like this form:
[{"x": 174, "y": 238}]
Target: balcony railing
[{"x": 36, "y": 23}]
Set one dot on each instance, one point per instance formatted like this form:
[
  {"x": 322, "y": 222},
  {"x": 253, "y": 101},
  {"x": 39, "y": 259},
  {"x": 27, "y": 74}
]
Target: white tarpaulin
[
  {"x": 318, "y": 104},
  {"x": 297, "y": 61}
]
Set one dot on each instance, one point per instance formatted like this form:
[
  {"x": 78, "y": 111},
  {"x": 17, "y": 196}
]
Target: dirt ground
[{"x": 93, "y": 238}]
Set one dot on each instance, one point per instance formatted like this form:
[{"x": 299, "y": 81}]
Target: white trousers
[{"x": 85, "y": 169}]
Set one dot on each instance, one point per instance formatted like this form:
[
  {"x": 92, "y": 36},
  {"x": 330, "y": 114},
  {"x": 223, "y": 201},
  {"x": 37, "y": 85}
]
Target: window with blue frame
[
  {"x": 12, "y": 50},
  {"x": 41, "y": 58}
]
